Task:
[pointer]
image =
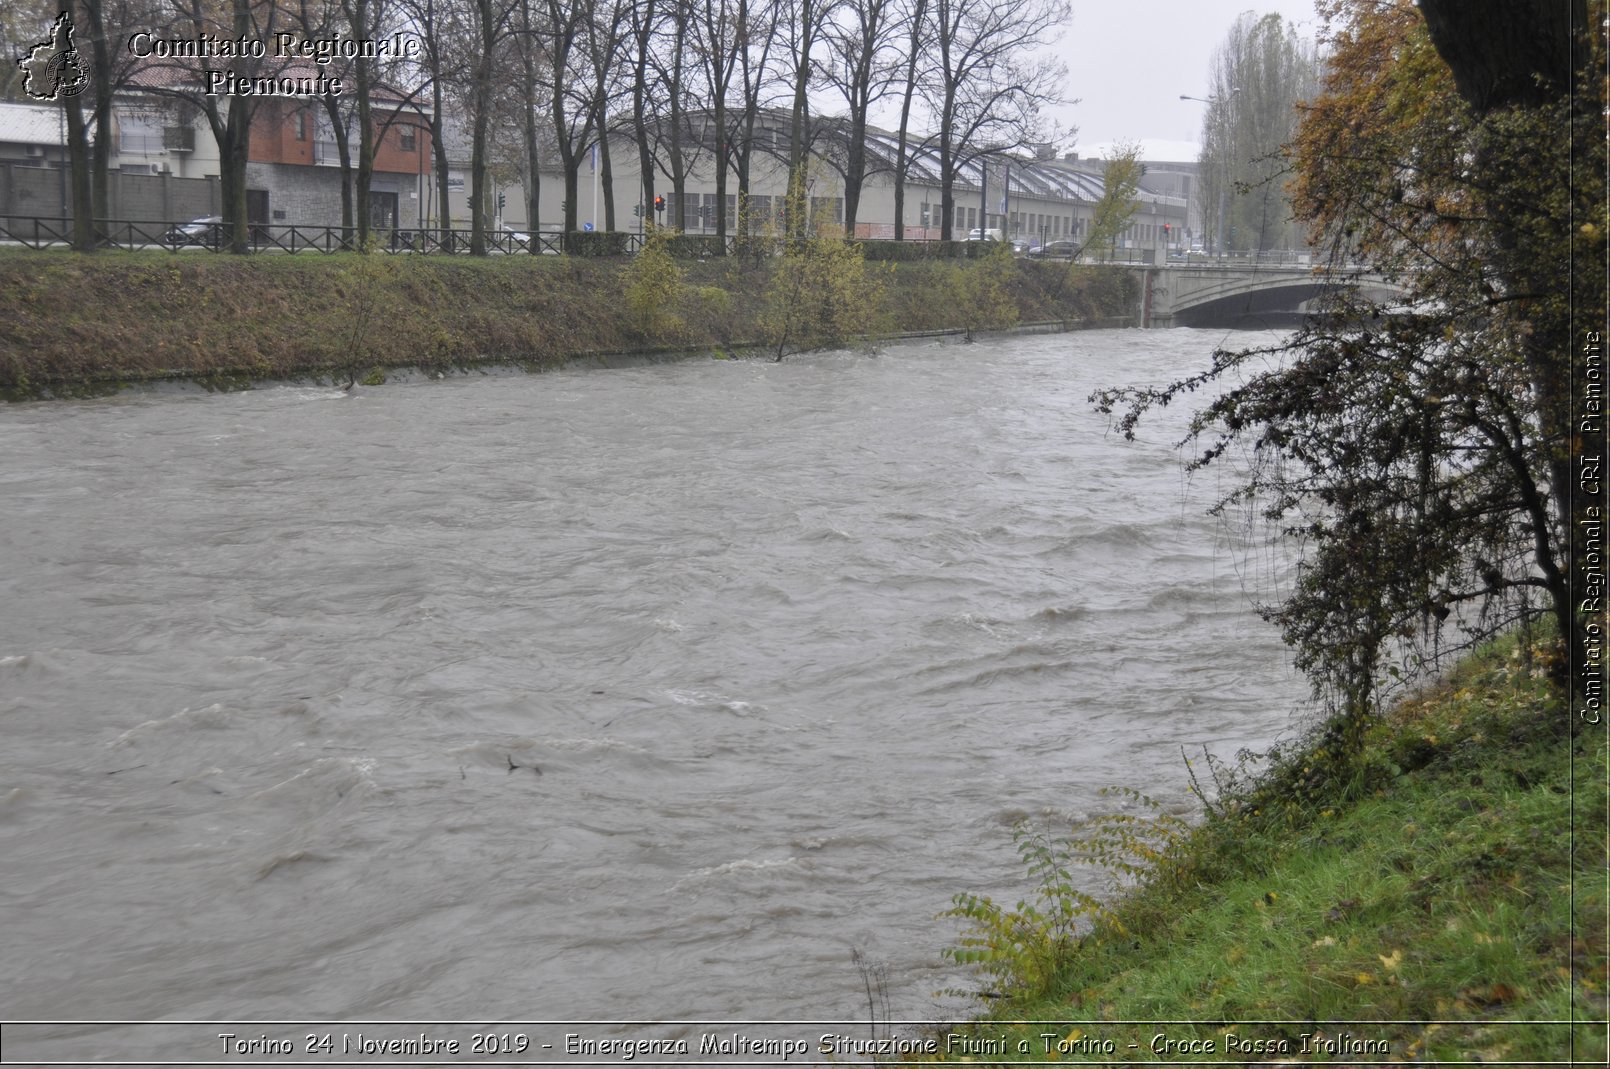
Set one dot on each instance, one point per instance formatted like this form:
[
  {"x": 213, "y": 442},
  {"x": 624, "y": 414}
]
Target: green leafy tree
[
  {"x": 822, "y": 293},
  {"x": 1118, "y": 204}
]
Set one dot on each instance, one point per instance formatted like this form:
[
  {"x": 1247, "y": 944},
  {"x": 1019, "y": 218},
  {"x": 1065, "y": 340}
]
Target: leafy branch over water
[{"x": 1420, "y": 450}]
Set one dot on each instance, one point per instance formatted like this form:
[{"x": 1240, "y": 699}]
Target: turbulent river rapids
[{"x": 654, "y": 694}]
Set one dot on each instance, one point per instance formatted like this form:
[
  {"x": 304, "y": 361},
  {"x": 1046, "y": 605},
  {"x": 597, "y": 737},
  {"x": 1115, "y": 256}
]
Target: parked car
[
  {"x": 207, "y": 230},
  {"x": 1024, "y": 246},
  {"x": 1057, "y": 250},
  {"x": 992, "y": 234},
  {"x": 513, "y": 239}
]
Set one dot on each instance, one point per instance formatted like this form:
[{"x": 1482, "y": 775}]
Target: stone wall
[
  {"x": 39, "y": 192},
  {"x": 32, "y": 191},
  {"x": 154, "y": 197},
  {"x": 311, "y": 196},
  {"x": 298, "y": 196}
]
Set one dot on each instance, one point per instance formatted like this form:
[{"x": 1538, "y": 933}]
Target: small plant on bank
[
  {"x": 822, "y": 294},
  {"x": 368, "y": 278},
  {"x": 984, "y": 295},
  {"x": 653, "y": 286},
  {"x": 1020, "y": 950}
]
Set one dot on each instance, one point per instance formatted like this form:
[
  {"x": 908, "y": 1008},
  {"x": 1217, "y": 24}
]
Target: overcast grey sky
[{"x": 1129, "y": 60}]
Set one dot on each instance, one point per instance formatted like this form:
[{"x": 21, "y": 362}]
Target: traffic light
[
  {"x": 659, "y": 203},
  {"x": 637, "y": 210},
  {"x": 500, "y": 202},
  {"x": 1166, "y": 228}
]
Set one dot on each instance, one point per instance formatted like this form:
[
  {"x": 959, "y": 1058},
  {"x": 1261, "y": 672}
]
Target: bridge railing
[{"x": 1267, "y": 258}]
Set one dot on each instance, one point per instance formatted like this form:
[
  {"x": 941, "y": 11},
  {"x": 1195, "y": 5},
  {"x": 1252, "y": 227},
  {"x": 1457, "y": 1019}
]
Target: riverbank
[
  {"x": 89, "y": 324},
  {"x": 1442, "y": 900}
]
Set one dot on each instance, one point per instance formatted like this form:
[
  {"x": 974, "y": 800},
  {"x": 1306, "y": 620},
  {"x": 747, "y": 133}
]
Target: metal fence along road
[{"x": 47, "y": 232}]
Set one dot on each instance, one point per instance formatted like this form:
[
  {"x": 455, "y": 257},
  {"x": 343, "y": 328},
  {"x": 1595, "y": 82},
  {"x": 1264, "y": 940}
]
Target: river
[{"x": 653, "y": 693}]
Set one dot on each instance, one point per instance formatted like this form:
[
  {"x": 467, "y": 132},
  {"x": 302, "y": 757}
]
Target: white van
[{"x": 992, "y": 234}]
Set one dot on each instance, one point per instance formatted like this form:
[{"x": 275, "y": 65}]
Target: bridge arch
[{"x": 1202, "y": 296}]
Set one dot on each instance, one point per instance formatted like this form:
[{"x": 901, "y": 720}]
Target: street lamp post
[{"x": 1224, "y": 172}]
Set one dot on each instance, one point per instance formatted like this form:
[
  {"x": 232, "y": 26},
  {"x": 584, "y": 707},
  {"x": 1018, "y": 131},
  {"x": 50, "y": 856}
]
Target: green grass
[{"x": 1424, "y": 898}]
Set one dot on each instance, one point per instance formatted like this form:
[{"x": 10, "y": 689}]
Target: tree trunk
[
  {"x": 606, "y": 177},
  {"x": 83, "y": 206},
  {"x": 1506, "y": 53},
  {"x": 102, "y": 82}
]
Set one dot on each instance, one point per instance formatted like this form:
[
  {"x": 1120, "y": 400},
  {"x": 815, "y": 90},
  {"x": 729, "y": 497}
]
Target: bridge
[{"x": 1236, "y": 293}]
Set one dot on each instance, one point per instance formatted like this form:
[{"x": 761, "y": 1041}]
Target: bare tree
[
  {"x": 718, "y": 39},
  {"x": 105, "y": 26},
  {"x": 607, "y": 32},
  {"x": 916, "y": 23},
  {"x": 757, "y": 19},
  {"x": 670, "y": 124},
  {"x": 529, "y": 49},
  {"x": 806, "y": 21},
  {"x": 570, "y": 99},
  {"x": 863, "y": 67},
  {"x": 314, "y": 20},
  {"x": 643, "y": 17},
  {"x": 491, "y": 23},
  {"x": 440, "y": 31},
  {"x": 985, "y": 89},
  {"x": 229, "y": 114}
]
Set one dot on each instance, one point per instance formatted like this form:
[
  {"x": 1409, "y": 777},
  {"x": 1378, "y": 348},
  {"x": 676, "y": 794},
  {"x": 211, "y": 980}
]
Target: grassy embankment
[
  {"x": 77, "y": 324},
  {"x": 1441, "y": 898}
]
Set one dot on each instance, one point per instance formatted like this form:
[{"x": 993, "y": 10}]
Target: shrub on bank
[
  {"x": 697, "y": 247},
  {"x": 587, "y": 243},
  {"x": 881, "y": 250}
]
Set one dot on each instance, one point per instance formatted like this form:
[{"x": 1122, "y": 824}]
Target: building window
[
  {"x": 758, "y": 208},
  {"x": 301, "y": 124},
  {"x": 139, "y": 135},
  {"x": 409, "y": 137},
  {"x": 827, "y": 210}
]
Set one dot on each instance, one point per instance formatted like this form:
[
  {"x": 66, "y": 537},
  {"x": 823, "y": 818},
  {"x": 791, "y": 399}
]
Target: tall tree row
[
  {"x": 1259, "y": 75},
  {"x": 534, "y": 86}
]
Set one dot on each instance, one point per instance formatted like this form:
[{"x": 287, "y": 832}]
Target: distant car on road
[
  {"x": 978, "y": 234},
  {"x": 513, "y": 239},
  {"x": 207, "y": 230},
  {"x": 1056, "y": 250}
]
